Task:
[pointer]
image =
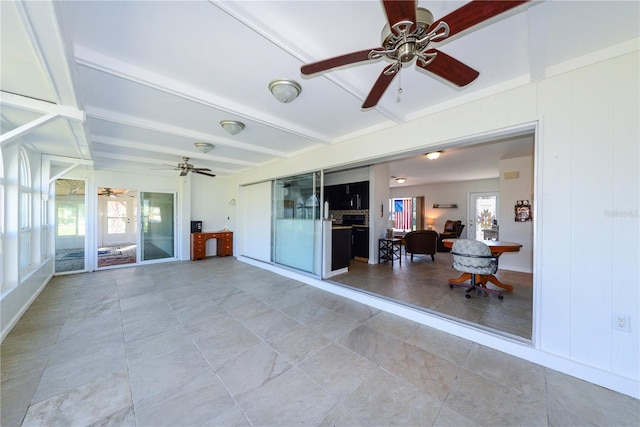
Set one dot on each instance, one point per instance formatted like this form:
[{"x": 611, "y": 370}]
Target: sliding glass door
[
  {"x": 157, "y": 237},
  {"x": 297, "y": 225}
]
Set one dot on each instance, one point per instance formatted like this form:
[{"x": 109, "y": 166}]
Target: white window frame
[{"x": 25, "y": 206}]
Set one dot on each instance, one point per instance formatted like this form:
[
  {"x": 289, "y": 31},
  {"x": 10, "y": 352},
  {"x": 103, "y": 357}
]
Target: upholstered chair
[
  {"x": 475, "y": 258},
  {"x": 452, "y": 230},
  {"x": 423, "y": 242}
]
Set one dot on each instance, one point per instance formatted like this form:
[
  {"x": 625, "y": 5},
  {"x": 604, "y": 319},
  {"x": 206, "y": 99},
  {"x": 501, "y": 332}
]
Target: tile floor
[
  {"x": 219, "y": 342},
  {"x": 424, "y": 284}
]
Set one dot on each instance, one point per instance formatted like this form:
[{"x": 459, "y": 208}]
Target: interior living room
[
  {"x": 178, "y": 177},
  {"x": 424, "y": 185}
]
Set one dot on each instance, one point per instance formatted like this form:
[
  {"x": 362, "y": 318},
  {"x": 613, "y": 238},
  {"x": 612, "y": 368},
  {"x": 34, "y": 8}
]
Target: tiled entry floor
[{"x": 219, "y": 342}]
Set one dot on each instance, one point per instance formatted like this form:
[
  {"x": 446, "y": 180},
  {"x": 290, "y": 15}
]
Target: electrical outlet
[{"x": 621, "y": 323}]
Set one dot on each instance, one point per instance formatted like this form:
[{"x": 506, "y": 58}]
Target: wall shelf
[{"x": 444, "y": 205}]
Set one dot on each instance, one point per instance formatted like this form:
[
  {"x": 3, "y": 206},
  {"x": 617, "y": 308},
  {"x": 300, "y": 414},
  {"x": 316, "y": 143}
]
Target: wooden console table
[{"x": 199, "y": 244}]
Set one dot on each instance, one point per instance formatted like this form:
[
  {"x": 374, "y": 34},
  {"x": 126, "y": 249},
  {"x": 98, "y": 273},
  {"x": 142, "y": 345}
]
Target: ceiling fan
[
  {"x": 185, "y": 167},
  {"x": 114, "y": 194},
  {"x": 408, "y": 35},
  {"x": 107, "y": 191}
]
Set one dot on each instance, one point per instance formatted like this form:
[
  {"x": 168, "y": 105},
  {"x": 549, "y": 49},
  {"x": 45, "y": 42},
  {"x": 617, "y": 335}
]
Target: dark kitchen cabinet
[
  {"x": 340, "y": 248},
  {"x": 360, "y": 242},
  {"x": 362, "y": 190},
  {"x": 348, "y": 196}
]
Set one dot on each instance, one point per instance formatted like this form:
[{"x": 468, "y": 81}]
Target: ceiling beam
[
  {"x": 39, "y": 106},
  {"x": 259, "y": 28},
  {"x": 134, "y": 145},
  {"x": 128, "y": 120},
  {"x": 114, "y": 67},
  {"x": 7, "y": 137}
]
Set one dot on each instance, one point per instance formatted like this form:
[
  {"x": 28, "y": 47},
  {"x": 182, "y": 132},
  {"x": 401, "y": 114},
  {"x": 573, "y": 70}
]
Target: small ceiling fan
[
  {"x": 408, "y": 35},
  {"x": 185, "y": 167},
  {"x": 107, "y": 191},
  {"x": 110, "y": 192}
]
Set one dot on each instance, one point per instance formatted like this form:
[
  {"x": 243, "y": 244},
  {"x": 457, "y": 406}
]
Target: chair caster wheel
[
  {"x": 500, "y": 297},
  {"x": 467, "y": 295}
]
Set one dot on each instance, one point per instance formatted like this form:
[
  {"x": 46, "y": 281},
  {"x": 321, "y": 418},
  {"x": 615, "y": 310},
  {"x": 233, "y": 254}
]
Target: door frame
[{"x": 471, "y": 211}]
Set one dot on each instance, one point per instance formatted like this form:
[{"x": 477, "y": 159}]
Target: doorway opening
[
  {"x": 70, "y": 231},
  {"x": 117, "y": 225}
]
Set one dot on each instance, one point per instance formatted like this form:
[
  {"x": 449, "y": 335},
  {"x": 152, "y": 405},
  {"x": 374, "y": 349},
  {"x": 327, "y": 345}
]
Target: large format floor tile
[{"x": 221, "y": 343}]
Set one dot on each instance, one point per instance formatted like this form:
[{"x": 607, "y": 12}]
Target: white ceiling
[{"x": 152, "y": 78}]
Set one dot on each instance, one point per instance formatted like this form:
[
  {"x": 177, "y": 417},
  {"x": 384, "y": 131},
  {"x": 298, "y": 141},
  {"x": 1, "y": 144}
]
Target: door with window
[
  {"x": 119, "y": 220},
  {"x": 483, "y": 211}
]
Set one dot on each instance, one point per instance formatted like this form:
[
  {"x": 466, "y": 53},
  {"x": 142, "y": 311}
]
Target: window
[
  {"x": 1, "y": 221},
  {"x": 403, "y": 214},
  {"x": 71, "y": 219},
  {"x": 24, "y": 211}
]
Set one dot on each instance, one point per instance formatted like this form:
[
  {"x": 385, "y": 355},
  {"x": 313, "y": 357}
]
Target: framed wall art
[{"x": 523, "y": 211}]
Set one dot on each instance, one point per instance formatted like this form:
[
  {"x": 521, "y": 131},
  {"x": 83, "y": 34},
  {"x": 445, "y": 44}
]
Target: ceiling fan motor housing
[{"x": 403, "y": 46}]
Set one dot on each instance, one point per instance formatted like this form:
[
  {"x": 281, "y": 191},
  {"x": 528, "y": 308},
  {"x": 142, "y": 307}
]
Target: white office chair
[{"x": 474, "y": 257}]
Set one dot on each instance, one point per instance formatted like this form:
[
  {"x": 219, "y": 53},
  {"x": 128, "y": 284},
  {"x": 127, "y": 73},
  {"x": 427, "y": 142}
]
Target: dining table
[{"x": 497, "y": 247}]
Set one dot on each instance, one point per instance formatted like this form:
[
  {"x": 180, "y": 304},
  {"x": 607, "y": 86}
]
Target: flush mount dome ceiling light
[
  {"x": 433, "y": 155},
  {"x": 232, "y": 127},
  {"x": 204, "y": 147},
  {"x": 285, "y": 90},
  {"x": 401, "y": 180}
]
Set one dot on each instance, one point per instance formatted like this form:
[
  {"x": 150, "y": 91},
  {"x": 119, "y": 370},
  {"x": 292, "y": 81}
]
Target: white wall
[
  {"x": 512, "y": 190},
  {"x": 445, "y": 193},
  {"x": 212, "y": 203},
  {"x": 587, "y": 235}
]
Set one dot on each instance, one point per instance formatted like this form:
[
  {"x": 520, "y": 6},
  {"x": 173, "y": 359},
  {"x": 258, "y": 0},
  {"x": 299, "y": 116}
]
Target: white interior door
[
  {"x": 118, "y": 220},
  {"x": 483, "y": 210}
]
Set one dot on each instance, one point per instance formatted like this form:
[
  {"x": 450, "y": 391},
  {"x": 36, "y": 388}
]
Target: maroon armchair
[
  {"x": 452, "y": 230},
  {"x": 423, "y": 242}
]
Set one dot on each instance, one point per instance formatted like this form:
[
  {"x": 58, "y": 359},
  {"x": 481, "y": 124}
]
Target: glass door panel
[
  {"x": 297, "y": 224},
  {"x": 483, "y": 213},
  {"x": 70, "y": 225},
  {"x": 158, "y": 226}
]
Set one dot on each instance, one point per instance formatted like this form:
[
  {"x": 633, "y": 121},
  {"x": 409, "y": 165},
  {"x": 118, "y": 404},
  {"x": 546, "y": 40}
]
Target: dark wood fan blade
[
  {"x": 338, "y": 61},
  {"x": 450, "y": 69},
  {"x": 378, "y": 89},
  {"x": 201, "y": 169},
  {"x": 400, "y": 10},
  {"x": 474, "y": 13},
  {"x": 201, "y": 172}
]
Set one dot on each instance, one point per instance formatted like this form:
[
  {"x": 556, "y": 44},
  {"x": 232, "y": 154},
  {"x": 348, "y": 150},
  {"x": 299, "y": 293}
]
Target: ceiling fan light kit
[
  {"x": 408, "y": 35},
  {"x": 204, "y": 147},
  {"x": 433, "y": 155},
  {"x": 232, "y": 127},
  {"x": 285, "y": 90}
]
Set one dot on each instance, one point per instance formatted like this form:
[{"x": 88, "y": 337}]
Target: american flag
[{"x": 403, "y": 218}]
